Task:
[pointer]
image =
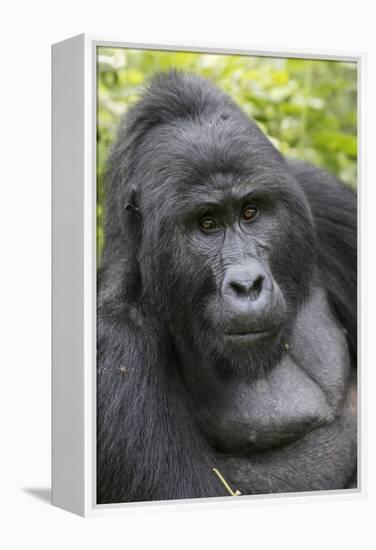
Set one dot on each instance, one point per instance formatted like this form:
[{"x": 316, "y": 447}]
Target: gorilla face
[{"x": 227, "y": 241}]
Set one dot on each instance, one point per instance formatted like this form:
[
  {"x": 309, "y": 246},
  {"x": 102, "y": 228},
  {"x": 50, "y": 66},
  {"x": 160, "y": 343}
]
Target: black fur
[{"x": 165, "y": 372}]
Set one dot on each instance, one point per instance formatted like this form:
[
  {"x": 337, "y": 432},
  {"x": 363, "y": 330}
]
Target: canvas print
[{"x": 227, "y": 275}]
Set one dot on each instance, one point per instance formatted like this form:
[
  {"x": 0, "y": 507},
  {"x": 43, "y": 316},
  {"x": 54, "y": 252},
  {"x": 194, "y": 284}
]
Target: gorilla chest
[{"x": 279, "y": 408}]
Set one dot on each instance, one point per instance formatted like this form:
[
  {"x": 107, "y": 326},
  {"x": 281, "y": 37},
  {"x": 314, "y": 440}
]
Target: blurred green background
[{"x": 306, "y": 107}]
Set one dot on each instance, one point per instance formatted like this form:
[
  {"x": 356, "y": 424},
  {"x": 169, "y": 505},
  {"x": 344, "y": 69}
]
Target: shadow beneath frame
[{"x": 41, "y": 493}]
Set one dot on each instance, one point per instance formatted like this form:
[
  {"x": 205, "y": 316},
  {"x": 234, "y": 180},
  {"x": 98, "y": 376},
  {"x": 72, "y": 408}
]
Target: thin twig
[{"x": 232, "y": 493}]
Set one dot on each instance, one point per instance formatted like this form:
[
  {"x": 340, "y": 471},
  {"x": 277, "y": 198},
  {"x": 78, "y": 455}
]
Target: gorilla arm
[{"x": 148, "y": 447}]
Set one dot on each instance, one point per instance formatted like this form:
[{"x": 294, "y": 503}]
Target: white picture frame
[{"x": 74, "y": 276}]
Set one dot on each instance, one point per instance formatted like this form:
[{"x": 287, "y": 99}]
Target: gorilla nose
[{"x": 245, "y": 283}]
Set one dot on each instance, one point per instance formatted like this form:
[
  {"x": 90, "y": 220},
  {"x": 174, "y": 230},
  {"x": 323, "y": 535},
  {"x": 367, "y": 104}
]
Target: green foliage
[{"x": 306, "y": 107}]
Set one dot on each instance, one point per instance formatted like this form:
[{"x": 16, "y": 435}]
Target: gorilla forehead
[{"x": 207, "y": 154}]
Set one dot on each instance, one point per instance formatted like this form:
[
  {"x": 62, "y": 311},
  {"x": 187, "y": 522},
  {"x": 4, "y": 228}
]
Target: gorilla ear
[
  {"x": 131, "y": 239},
  {"x": 132, "y": 205},
  {"x": 120, "y": 272}
]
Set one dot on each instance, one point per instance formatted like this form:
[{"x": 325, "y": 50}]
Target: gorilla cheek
[{"x": 288, "y": 256}]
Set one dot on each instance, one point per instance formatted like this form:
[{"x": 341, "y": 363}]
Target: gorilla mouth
[{"x": 249, "y": 335}]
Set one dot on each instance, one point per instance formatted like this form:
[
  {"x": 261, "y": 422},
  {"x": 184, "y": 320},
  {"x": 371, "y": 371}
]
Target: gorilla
[{"x": 226, "y": 325}]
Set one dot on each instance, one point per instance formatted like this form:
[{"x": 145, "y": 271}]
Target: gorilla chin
[
  {"x": 226, "y": 326},
  {"x": 248, "y": 310}
]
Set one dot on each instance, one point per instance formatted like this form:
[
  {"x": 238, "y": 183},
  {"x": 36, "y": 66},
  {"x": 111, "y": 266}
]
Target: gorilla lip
[{"x": 247, "y": 335}]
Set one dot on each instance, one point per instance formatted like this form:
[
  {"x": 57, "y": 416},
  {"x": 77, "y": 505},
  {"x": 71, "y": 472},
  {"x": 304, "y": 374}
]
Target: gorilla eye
[
  {"x": 249, "y": 213},
  {"x": 208, "y": 225}
]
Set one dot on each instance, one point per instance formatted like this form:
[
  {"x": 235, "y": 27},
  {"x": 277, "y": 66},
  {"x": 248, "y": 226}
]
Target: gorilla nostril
[
  {"x": 240, "y": 289},
  {"x": 256, "y": 288},
  {"x": 247, "y": 288}
]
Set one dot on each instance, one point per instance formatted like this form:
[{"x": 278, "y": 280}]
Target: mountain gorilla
[{"x": 226, "y": 309}]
